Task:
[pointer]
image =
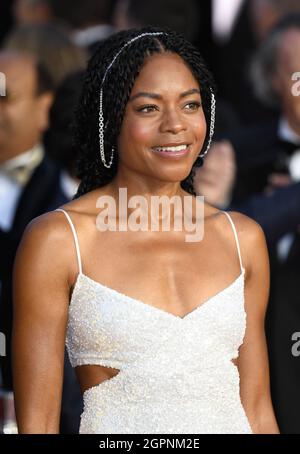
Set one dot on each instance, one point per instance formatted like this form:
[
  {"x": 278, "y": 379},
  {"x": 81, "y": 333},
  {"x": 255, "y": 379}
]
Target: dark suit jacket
[
  {"x": 40, "y": 195},
  {"x": 259, "y": 153},
  {"x": 6, "y": 19}
]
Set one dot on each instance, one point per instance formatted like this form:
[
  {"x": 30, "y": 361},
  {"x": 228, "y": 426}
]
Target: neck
[
  {"x": 144, "y": 186},
  {"x": 7, "y": 153},
  {"x": 149, "y": 194}
]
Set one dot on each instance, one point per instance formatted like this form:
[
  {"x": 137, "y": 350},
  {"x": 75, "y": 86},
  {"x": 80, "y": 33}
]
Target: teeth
[{"x": 178, "y": 148}]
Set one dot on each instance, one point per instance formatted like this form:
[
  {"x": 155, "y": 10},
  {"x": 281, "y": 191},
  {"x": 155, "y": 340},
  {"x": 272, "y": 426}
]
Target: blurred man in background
[
  {"x": 91, "y": 20},
  {"x": 51, "y": 44},
  {"x": 267, "y": 188},
  {"x": 28, "y": 178}
]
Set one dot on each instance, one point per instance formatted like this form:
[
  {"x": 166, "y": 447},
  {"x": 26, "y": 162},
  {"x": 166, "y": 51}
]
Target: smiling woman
[
  {"x": 134, "y": 73},
  {"x": 154, "y": 325},
  {"x": 150, "y": 114}
]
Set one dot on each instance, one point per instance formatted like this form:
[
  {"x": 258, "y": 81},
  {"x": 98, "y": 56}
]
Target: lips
[{"x": 172, "y": 150}]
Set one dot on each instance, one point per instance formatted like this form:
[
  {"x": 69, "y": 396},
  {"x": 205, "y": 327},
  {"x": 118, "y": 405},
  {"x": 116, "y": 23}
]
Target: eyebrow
[{"x": 144, "y": 94}]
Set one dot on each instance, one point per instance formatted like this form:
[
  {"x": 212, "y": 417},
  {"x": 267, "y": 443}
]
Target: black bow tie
[
  {"x": 288, "y": 147},
  {"x": 282, "y": 154}
]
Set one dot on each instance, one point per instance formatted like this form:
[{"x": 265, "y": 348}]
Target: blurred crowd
[{"x": 253, "y": 49}]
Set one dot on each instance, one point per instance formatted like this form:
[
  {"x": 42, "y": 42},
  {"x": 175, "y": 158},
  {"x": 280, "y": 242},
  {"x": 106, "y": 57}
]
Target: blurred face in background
[
  {"x": 32, "y": 11},
  {"x": 23, "y": 113},
  {"x": 288, "y": 63},
  {"x": 264, "y": 14}
]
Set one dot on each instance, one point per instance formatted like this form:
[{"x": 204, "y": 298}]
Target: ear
[{"x": 44, "y": 104}]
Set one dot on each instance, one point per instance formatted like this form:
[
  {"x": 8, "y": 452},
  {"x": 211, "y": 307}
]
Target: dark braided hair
[{"x": 116, "y": 92}]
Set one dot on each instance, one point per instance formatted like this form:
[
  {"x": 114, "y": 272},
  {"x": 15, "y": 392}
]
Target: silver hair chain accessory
[
  {"x": 101, "y": 136},
  {"x": 212, "y": 123},
  {"x": 101, "y": 116}
]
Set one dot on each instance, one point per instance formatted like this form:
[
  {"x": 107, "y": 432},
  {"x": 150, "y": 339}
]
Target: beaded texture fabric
[{"x": 176, "y": 374}]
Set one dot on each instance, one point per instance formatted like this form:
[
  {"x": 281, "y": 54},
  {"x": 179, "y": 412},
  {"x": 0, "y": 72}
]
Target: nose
[{"x": 173, "y": 122}]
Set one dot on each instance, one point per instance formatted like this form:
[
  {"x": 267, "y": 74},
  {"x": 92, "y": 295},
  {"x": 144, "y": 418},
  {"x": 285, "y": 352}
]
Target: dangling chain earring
[
  {"x": 212, "y": 123},
  {"x": 101, "y": 116}
]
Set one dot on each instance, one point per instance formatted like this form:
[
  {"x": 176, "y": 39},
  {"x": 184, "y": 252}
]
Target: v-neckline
[{"x": 149, "y": 307}]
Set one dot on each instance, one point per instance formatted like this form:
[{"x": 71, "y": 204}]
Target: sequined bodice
[
  {"x": 109, "y": 327},
  {"x": 170, "y": 366}
]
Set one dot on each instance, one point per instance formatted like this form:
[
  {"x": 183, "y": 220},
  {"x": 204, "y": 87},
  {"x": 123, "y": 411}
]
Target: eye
[
  {"x": 195, "y": 105},
  {"x": 147, "y": 108}
]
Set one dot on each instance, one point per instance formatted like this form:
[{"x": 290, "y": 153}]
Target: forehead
[
  {"x": 166, "y": 71},
  {"x": 19, "y": 72}
]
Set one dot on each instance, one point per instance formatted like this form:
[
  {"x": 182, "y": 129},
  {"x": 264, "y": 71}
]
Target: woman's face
[{"x": 164, "y": 127}]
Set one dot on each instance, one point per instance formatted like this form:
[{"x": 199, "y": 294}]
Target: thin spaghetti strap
[
  {"x": 236, "y": 239},
  {"x": 75, "y": 238}
]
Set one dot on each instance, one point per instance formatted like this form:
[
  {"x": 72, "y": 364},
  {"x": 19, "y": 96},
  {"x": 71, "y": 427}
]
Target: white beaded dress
[{"x": 176, "y": 374}]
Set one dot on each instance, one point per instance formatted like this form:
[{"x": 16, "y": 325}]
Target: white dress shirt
[
  {"x": 14, "y": 175},
  {"x": 68, "y": 184},
  {"x": 90, "y": 35},
  {"x": 224, "y": 15},
  {"x": 286, "y": 133}
]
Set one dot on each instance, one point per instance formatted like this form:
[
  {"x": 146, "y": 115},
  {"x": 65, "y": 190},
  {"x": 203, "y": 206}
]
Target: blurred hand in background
[{"x": 215, "y": 179}]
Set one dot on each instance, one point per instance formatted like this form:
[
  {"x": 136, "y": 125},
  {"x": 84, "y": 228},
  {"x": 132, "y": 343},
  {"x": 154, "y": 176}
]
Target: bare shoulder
[
  {"x": 248, "y": 229},
  {"x": 250, "y": 234},
  {"x": 246, "y": 226},
  {"x": 53, "y": 227},
  {"x": 47, "y": 246},
  {"x": 47, "y": 229},
  {"x": 48, "y": 238},
  {"x": 252, "y": 241}
]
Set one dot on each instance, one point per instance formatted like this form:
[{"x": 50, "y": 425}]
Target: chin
[{"x": 173, "y": 177}]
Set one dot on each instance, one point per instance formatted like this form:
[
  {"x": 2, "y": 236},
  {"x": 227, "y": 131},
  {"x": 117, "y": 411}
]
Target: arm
[
  {"x": 40, "y": 297},
  {"x": 253, "y": 356}
]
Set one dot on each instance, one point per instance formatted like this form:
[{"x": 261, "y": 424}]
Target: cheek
[
  {"x": 22, "y": 114},
  {"x": 291, "y": 102},
  {"x": 140, "y": 132},
  {"x": 296, "y": 106},
  {"x": 285, "y": 87},
  {"x": 15, "y": 116},
  {"x": 199, "y": 127},
  {"x": 136, "y": 133}
]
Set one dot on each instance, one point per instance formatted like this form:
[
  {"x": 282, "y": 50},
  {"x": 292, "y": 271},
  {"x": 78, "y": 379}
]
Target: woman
[{"x": 169, "y": 357}]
